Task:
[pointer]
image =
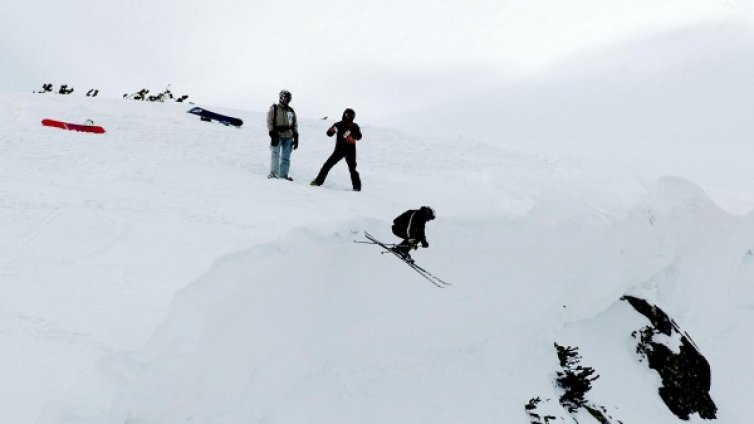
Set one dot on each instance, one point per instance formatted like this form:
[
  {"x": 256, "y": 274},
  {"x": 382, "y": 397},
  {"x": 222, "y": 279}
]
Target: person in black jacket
[
  {"x": 348, "y": 132},
  {"x": 410, "y": 227}
]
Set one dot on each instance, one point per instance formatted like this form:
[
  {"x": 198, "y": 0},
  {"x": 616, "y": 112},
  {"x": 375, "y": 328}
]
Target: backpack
[{"x": 276, "y": 127}]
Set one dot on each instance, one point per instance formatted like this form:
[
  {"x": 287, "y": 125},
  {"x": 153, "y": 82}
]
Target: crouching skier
[{"x": 409, "y": 226}]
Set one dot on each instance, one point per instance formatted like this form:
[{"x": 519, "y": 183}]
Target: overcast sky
[{"x": 384, "y": 58}]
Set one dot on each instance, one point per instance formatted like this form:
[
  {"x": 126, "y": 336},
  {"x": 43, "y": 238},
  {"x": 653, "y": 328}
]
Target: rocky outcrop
[
  {"x": 575, "y": 381},
  {"x": 686, "y": 375},
  {"x": 537, "y": 410}
]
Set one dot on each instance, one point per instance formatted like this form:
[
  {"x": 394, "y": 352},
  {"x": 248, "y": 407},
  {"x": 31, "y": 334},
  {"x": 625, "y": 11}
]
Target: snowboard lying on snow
[
  {"x": 88, "y": 127},
  {"x": 207, "y": 115}
]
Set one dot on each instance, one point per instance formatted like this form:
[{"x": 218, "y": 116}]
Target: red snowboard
[{"x": 74, "y": 127}]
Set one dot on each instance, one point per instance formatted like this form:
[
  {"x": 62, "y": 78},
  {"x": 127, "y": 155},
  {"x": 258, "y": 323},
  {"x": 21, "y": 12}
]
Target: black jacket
[
  {"x": 344, "y": 128},
  {"x": 410, "y": 225}
]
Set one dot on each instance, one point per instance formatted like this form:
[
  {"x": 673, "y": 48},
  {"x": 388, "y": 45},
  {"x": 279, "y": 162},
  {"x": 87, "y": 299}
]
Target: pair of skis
[{"x": 421, "y": 271}]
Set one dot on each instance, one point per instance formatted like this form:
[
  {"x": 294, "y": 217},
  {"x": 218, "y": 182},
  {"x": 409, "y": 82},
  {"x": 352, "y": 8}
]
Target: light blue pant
[{"x": 281, "y": 157}]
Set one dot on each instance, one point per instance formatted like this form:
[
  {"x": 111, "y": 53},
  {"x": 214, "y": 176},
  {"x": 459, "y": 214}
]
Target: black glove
[
  {"x": 295, "y": 141},
  {"x": 425, "y": 244},
  {"x": 274, "y": 140}
]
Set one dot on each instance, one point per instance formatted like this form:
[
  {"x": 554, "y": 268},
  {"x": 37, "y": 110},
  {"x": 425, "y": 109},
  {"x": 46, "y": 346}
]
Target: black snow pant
[
  {"x": 404, "y": 247},
  {"x": 342, "y": 150}
]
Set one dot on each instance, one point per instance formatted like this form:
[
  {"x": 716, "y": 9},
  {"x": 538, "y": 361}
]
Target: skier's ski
[
  {"x": 421, "y": 271},
  {"x": 428, "y": 275}
]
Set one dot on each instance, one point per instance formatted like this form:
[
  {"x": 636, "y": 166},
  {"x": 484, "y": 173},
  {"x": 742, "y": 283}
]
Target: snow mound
[{"x": 317, "y": 329}]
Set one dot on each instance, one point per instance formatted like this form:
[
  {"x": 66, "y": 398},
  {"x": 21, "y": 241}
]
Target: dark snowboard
[{"x": 207, "y": 115}]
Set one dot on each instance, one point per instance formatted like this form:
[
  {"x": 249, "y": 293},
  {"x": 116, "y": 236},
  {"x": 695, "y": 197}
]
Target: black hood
[{"x": 349, "y": 112}]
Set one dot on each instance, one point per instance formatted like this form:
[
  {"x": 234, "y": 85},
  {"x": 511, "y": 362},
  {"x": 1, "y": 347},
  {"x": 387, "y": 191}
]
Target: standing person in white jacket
[{"x": 283, "y": 129}]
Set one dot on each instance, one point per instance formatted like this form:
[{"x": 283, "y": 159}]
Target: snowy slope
[{"x": 153, "y": 274}]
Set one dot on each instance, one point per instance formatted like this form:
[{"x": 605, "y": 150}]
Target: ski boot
[{"x": 402, "y": 253}]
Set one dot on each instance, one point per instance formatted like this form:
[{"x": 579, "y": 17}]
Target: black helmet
[
  {"x": 428, "y": 212},
  {"x": 285, "y": 95},
  {"x": 349, "y": 114}
]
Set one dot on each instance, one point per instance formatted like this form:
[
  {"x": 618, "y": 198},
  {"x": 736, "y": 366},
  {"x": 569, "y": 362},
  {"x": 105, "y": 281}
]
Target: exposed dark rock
[
  {"x": 64, "y": 89},
  {"x": 536, "y": 416},
  {"x": 575, "y": 380},
  {"x": 686, "y": 375},
  {"x": 600, "y": 414},
  {"x": 162, "y": 97},
  {"x": 46, "y": 88}
]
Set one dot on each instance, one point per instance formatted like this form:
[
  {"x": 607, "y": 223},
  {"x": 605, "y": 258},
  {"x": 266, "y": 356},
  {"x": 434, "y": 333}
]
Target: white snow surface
[{"x": 154, "y": 274}]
